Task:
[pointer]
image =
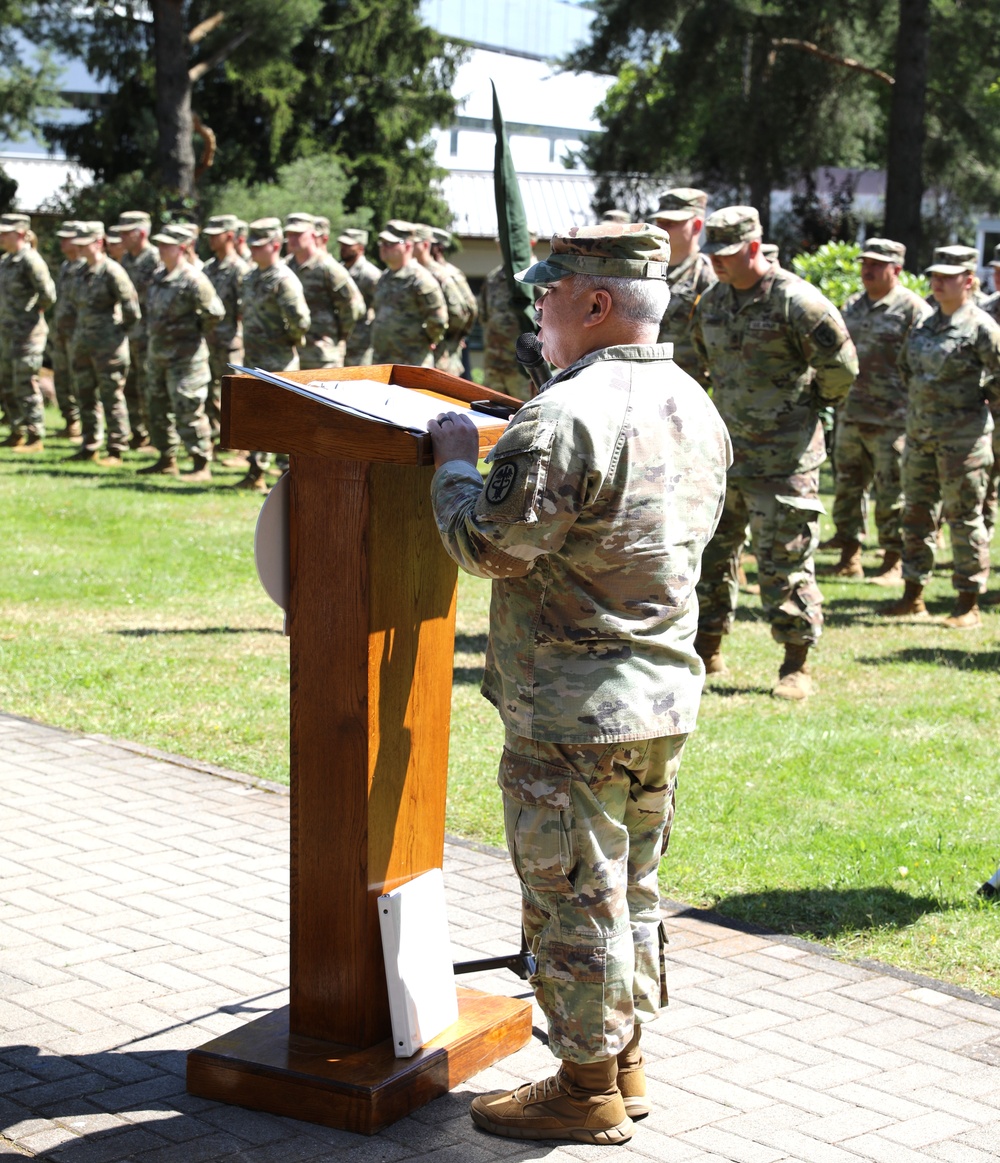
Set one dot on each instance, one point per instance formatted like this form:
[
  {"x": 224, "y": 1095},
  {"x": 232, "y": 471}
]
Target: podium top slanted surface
[{"x": 265, "y": 417}]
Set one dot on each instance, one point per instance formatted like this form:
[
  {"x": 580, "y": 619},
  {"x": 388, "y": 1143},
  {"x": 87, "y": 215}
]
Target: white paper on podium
[
  {"x": 418, "y": 963},
  {"x": 403, "y": 408}
]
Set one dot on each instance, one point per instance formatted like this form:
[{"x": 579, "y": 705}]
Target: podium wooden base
[{"x": 263, "y": 1067}]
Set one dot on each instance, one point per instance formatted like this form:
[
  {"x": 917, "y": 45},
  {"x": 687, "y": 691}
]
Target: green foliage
[
  {"x": 26, "y": 86},
  {"x": 836, "y": 269}
]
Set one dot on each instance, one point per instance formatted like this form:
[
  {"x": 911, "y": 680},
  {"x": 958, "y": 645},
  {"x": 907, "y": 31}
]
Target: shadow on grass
[
  {"x": 870, "y": 610},
  {"x": 986, "y": 660},
  {"x": 470, "y": 643},
  {"x": 728, "y": 690},
  {"x": 826, "y": 913},
  {"x": 150, "y": 632}
]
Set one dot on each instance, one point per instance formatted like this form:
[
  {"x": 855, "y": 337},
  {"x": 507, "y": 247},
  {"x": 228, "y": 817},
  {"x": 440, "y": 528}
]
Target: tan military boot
[
  {"x": 890, "y": 572},
  {"x": 834, "y": 542},
  {"x": 32, "y": 444},
  {"x": 632, "y": 1078},
  {"x": 84, "y": 454},
  {"x": 200, "y": 471},
  {"x": 112, "y": 460},
  {"x": 166, "y": 466},
  {"x": 910, "y": 605},
  {"x": 850, "y": 560},
  {"x": 254, "y": 484},
  {"x": 708, "y": 647},
  {"x": 14, "y": 440},
  {"x": 965, "y": 615},
  {"x": 794, "y": 679},
  {"x": 581, "y": 1104},
  {"x": 72, "y": 431}
]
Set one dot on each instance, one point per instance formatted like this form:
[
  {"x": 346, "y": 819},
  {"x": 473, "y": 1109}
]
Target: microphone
[{"x": 528, "y": 350}]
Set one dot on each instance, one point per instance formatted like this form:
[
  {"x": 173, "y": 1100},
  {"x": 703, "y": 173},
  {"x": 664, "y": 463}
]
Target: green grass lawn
[{"x": 865, "y": 818}]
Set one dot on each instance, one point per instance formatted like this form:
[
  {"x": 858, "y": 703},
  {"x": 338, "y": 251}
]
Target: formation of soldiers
[{"x": 143, "y": 332}]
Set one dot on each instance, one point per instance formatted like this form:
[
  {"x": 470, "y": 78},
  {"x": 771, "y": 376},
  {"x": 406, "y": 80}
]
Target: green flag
[{"x": 515, "y": 239}]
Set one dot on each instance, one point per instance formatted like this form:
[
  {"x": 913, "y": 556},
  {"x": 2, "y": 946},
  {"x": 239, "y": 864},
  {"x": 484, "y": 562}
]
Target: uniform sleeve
[
  {"x": 131, "y": 314},
  {"x": 484, "y": 302},
  {"x": 211, "y": 309},
  {"x": 293, "y": 309},
  {"x": 348, "y": 302},
  {"x": 45, "y": 288},
  {"x": 988, "y": 349},
  {"x": 458, "y": 309},
  {"x": 698, "y": 340},
  {"x": 432, "y": 308},
  {"x": 827, "y": 347}
]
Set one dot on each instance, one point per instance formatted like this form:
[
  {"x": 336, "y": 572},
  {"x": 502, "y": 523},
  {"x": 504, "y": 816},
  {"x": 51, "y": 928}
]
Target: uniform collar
[{"x": 633, "y": 353}]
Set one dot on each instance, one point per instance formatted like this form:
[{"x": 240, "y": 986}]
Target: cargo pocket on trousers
[
  {"x": 664, "y": 941},
  {"x": 796, "y": 525},
  {"x": 541, "y": 835}
]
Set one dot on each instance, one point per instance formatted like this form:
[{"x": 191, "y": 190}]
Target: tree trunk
[
  {"x": 904, "y": 187},
  {"x": 173, "y": 97}
]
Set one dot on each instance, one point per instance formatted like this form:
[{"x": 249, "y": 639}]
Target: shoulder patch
[
  {"x": 826, "y": 335},
  {"x": 501, "y": 481}
]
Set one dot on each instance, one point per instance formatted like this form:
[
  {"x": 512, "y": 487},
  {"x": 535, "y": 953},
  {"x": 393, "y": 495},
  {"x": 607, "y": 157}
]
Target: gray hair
[{"x": 637, "y": 300}]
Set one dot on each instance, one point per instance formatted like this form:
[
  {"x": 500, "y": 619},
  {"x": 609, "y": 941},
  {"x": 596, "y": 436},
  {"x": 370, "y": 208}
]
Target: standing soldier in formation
[
  {"x": 992, "y": 308},
  {"x": 949, "y": 364},
  {"x": 107, "y": 310},
  {"x": 681, "y": 214},
  {"x": 242, "y": 230},
  {"x": 871, "y": 425},
  {"x": 335, "y": 303},
  {"x": 63, "y": 321},
  {"x": 777, "y": 352},
  {"x": 321, "y": 224},
  {"x": 502, "y": 325},
  {"x": 26, "y": 293},
  {"x": 441, "y": 243},
  {"x": 139, "y": 262},
  {"x": 225, "y": 271},
  {"x": 448, "y": 353},
  {"x": 275, "y": 320},
  {"x": 410, "y": 312},
  {"x": 366, "y": 276},
  {"x": 114, "y": 247},
  {"x": 182, "y": 308}
]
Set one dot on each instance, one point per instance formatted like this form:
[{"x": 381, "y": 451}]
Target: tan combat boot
[
  {"x": 581, "y": 1104},
  {"x": 166, "y": 465},
  {"x": 72, "y": 431},
  {"x": 910, "y": 605},
  {"x": 834, "y": 542},
  {"x": 794, "y": 679},
  {"x": 200, "y": 471},
  {"x": 14, "y": 440},
  {"x": 255, "y": 484},
  {"x": 32, "y": 444},
  {"x": 708, "y": 647},
  {"x": 965, "y": 616},
  {"x": 632, "y": 1078},
  {"x": 112, "y": 460},
  {"x": 890, "y": 572},
  {"x": 850, "y": 560}
]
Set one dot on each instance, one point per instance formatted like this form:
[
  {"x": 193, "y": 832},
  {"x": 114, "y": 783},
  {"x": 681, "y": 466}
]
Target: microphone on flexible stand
[{"x": 528, "y": 350}]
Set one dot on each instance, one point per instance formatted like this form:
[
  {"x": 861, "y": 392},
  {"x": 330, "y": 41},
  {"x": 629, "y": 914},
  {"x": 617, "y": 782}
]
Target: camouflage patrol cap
[
  {"x": 134, "y": 220},
  {"x": 322, "y": 224},
  {"x": 69, "y": 229},
  {"x": 112, "y": 239},
  {"x": 616, "y": 216},
  {"x": 175, "y": 234},
  {"x": 89, "y": 232},
  {"x": 630, "y": 250},
  {"x": 441, "y": 237},
  {"x": 769, "y": 250},
  {"x": 264, "y": 230},
  {"x": 220, "y": 223},
  {"x": 14, "y": 222},
  {"x": 396, "y": 230},
  {"x": 884, "y": 250},
  {"x": 242, "y": 229},
  {"x": 354, "y": 237},
  {"x": 680, "y": 204},
  {"x": 731, "y": 228},
  {"x": 995, "y": 261},
  {"x": 299, "y": 222},
  {"x": 954, "y": 260},
  {"x": 422, "y": 232}
]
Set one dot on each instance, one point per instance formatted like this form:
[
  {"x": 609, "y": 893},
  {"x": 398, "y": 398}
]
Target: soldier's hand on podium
[{"x": 454, "y": 437}]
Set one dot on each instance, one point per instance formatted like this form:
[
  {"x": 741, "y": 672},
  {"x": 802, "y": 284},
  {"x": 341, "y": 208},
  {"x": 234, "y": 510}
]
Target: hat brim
[
  {"x": 896, "y": 261},
  {"x": 674, "y": 215},
  {"x": 948, "y": 269},
  {"x": 121, "y": 227},
  {"x": 541, "y": 274},
  {"x": 66, "y": 234},
  {"x": 84, "y": 239},
  {"x": 345, "y": 241},
  {"x": 219, "y": 230},
  {"x": 388, "y": 236},
  {"x": 722, "y": 249},
  {"x": 166, "y": 240}
]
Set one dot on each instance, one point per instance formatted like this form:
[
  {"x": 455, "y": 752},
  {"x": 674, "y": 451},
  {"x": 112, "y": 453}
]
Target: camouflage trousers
[
  {"x": 315, "y": 355},
  {"x": 99, "y": 386},
  {"x": 62, "y": 379},
  {"x": 219, "y": 359},
  {"x": 271, "y": 359},
  {"x": 176, "y": 394},
  {"x": 783, "y": 515},
  {"x": 586, "y": 827},
  {"x": 448, "y": 356},
  {"x": 20, "y": 391},
  {"x": 359, "y": 346},
  {"x": 949, "y": 479},
  {"x": 504, "y": 376},
  {"x": 137, "y": 388},
  {"x": 869, "y": 456},
  {"x": 993, "y": 487}
]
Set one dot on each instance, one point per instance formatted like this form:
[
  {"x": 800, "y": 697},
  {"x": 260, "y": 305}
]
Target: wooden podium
[{"x": 371, "y": 619}]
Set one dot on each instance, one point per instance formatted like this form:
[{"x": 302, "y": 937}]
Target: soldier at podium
[{"x": 602, "y": 495}]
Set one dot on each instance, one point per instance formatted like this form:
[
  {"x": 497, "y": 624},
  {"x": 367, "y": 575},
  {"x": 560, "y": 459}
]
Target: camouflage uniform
[
  {"x": 776, "y": 355},
  {"x": 107, "y": 310},
  {"x": 26, "y": 293},
  {"x": 225, "y": 344},
  {"x": 872, "y": 421},
  {"x": 990, "y": 505},
  {"x": 140, "y": 269},
  {"x": 366, "y": 276},
  {"x": 182, "y": 308},
  {"x": 471, "y": 304},
  {"x": 335, "y": 307},
  {"x": 63, "y": 321},
  {"x": 590, "y": 660},
  {"x": 410, "y": 315},
  {"x": 501, "y": 327},
  {"x": 688, "y": 281},
  {"x": 947, "y": 364}
]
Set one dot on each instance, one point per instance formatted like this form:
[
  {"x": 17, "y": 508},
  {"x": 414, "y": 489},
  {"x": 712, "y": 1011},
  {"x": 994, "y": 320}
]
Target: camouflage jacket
[
  {"x": 140, "y": 270},
  {"x": 64, "y": 318},
  {"x": 366, "y": 276},
  {"x": 26, "y": 293},
  {"x": 410, "y": 315},
  {"x": 471, "y": 303},
  {"x": 275, "y": 315},
  {"x": 226, "y": 276},
  {"x": 688, "y": 281},
  {"x": 107, "y": 308},
  {"x": 604, "y": 491},
  {"x": 181, "y": 309},
  {"x": 460, "y": 316},
  {"x": 948, "y": 363},
  {"x": 775, "y": 361},
  {"x": 501, "y": 327},
  {"x": 879, "y": 330},
  {"x": 335, "y": 307}
]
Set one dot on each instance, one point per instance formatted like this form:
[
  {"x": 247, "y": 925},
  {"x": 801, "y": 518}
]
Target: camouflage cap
[
  {"x": 322, "y": 224},
  {"x": 769, "y": 250},
  {"x": 299, "y": 222},
  {"x": 995, "y": 260},
  {"x": 89, "y": 232},
  {"x": 441, "y": 237},
  {"x": 953, "y": 260},
  {"x": 69, "y": 229},
  {"x": 134, "y": 220},
  {"x": 112, "y": 239},
  {"x": 680, "y": 204},
  {"x": 264, "y": 230},
  {"x": 354, "y": 237},
  {"x": 422, "y": 232},
  {"x": 242, "y": 229},
  {"x": 14, "y": 222},
  {"x": 884, "y": 250},
  {"x": 396, "y": 230},
  {"x": 730, "y": 229},
  {"x": 616, "y": 216},
  {"x": 220, "y": 223},
  {"x": 174, "y": 234},
  {"x": 630, "y": 250}
]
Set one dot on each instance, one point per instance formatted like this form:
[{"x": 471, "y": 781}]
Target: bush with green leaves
[{"x": 836, "y": 269}]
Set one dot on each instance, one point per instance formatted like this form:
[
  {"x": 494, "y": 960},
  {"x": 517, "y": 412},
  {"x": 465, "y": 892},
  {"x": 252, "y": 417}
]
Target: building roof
[
  {"x": 551, "y": 201},
  {"x": 39, "y": 179}
]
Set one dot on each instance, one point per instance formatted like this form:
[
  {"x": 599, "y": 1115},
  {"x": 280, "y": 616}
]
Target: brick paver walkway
[{"x": 143, "y": 909}]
